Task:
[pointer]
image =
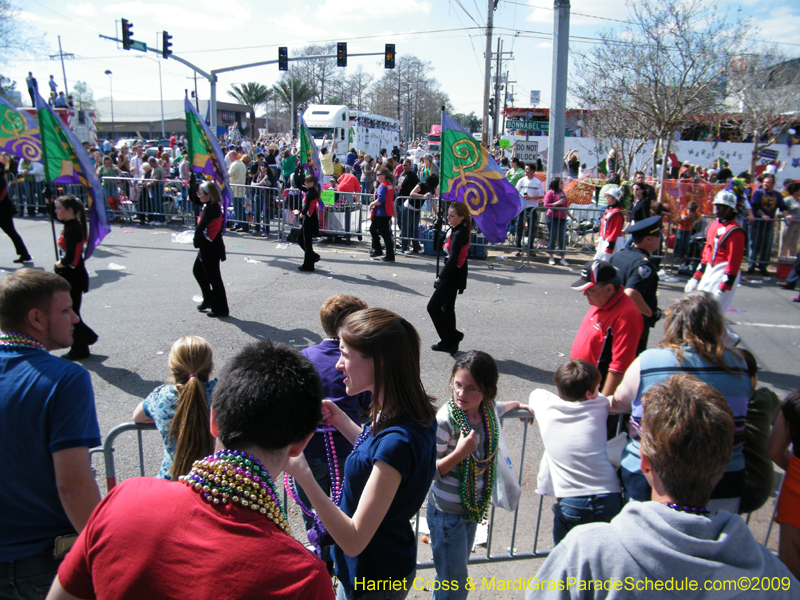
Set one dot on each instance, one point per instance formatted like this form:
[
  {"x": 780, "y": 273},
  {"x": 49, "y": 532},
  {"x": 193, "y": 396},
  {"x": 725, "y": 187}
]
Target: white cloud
[
  {"x": 547, "y": 45},
  {"x": 81, "y": 10}
]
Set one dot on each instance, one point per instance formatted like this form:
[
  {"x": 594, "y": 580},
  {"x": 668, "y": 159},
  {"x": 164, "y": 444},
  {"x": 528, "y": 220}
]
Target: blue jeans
[
  {"x": 571, "y": 512},
  {"x": 523, "y": 224},
  {"x": 29, "y": 578},
  {"x": 682, "y": 239},
  {"x": 558, "y": 231},
  {"x": 365, "y": 190},
  {"x": 409, "y": 227},
  {"x": 452, "y": 537},
  {"x": 761, "y": 237}
]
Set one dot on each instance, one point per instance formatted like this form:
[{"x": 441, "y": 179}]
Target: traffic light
[
  {"x": 491, "y": 107},
  {"x": 341, "y": 54},
  {"x": 127, "y": 34},
  {"x": 283, "y": 58},
  {"x": 388, "y": 59},
  {"x": 166, "y": 44}
]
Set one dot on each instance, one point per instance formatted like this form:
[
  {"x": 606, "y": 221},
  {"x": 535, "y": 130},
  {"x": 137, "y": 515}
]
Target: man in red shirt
[
  {"x": 609, "y": 333},
  {"x": 347, "y": 185},
  {"x": 202, "y": 536}
]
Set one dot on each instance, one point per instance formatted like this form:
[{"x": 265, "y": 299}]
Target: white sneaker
[
  {"x": 563, "y": 262},
  {"x": 552, "y": 261}
]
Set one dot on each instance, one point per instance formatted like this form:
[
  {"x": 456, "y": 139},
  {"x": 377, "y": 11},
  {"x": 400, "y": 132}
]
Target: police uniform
[{"x": 637, "y": 271}]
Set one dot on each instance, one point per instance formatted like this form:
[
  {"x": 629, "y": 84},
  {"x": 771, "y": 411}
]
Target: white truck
[{"x": 351, "y": 129}]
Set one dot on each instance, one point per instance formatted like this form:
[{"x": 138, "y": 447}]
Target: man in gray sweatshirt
[{"x": 670, "y": 547}]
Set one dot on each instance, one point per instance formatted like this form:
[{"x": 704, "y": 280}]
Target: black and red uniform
[{"x": 452, "y": 281}]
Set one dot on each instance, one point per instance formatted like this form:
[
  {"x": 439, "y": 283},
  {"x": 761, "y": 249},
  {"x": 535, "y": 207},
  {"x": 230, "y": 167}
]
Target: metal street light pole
[
  {"x": 161, "y": 91},
  {"x": 111, "y": 87}
]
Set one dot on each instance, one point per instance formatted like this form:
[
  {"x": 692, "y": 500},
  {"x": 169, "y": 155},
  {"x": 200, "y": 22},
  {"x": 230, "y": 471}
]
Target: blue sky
[{"x": 447, "y": 33}]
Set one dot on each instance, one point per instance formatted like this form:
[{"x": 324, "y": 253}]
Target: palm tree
[
  {"x": 252, "y": 95},
  {"x": 303, "y": 93}
]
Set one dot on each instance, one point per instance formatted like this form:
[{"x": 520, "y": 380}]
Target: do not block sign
[{"x": 526, "y": 151}]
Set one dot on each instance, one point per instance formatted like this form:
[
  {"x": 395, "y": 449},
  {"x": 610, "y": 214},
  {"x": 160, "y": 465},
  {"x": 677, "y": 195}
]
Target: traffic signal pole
[
  {"x": 214, "y": 73},
  {"x": 212, "y": 76}
]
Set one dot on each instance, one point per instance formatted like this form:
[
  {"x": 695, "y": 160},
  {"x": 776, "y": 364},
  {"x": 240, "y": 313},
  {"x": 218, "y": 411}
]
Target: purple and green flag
[
  {"x": 309, "y": 155},
  {"x": 205, "y": 155},
  {"x": 66, "y": 161},
  {"x": 470, "y": 175},
  {"x": 19, "y": 133}
]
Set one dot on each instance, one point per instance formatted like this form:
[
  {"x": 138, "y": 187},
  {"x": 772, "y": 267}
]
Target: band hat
[
  {"x": 726, "y": 198},
  {"x": 594, "y": 271},
  {"x": 648, "y": 226}
]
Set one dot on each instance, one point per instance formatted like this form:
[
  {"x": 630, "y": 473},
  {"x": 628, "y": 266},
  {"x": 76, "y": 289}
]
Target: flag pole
[
  {"x": 48, "y": 197},
  {"x": 437, "y": 224},
  {"x": 48, "y": 193}
]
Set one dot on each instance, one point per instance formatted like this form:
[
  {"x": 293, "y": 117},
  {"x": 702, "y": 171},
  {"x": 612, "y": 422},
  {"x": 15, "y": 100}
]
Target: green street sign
[
  {"x": 528, "y": 125},
  {"x": 140, "y": 46}
]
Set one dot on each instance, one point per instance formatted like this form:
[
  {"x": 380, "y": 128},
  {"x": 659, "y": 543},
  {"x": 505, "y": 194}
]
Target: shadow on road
[
  {"x": 123, "y": 379},
  {"x": 779, "y": 380},
  {"x": 261, "y": 331},
  {"x": 525, "y": 372}
]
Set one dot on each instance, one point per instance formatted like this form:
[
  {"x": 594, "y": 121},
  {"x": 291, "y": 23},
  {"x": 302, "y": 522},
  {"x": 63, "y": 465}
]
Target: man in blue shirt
[
  {"x": 766, "y": 202},
  {"x": 47, "y": 425}
]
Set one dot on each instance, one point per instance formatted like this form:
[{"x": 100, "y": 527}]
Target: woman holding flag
[
  {"x": 310, "y": 223},
  {"x": 210, "y": 248},
  {"x": 71, "y": 243}
]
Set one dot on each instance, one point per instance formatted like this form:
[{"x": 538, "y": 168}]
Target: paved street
[{"x": 141, "y": 301}]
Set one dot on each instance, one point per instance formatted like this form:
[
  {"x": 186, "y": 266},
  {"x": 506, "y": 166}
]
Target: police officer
[{"x": 639, "y": 274}]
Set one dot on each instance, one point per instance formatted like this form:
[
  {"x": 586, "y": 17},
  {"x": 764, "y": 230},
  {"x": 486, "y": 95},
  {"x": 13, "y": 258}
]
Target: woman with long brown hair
[
  {"x": 390, "y": 469},
  {"x": 179, "y": 409}
]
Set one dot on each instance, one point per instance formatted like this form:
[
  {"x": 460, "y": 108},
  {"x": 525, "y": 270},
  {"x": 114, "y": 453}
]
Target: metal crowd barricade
[
  {"x": 108, "y": 449},
  {"x": 28, "y": 197},
  {"x": 108, "y": 452},
  {"x": 509, "y": 553},
  {"x": 148, "y": 200}
]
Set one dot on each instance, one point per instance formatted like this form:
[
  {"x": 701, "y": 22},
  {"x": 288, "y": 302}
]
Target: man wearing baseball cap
[
  {"x": 639, "y": 275},
  {"x": 718, "y": 271},
  {"x": 609, "y": 333}
]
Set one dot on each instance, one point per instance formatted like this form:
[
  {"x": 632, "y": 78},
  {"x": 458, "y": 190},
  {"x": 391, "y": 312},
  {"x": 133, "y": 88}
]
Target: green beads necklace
[{"x": 473, "y": 466}]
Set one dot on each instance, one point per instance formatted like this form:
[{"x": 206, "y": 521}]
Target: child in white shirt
[{"x": 573, "y": 428}]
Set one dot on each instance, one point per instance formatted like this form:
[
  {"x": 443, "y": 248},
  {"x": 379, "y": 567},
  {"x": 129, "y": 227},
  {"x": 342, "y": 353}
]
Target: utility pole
[
  {"x": 62, "y": 55},
  {"x": 497, "y": 86},
  {"x": 487, "y": 75},
  {"x": 505, "y": 100},
  {"x": 558, "y": 97}
]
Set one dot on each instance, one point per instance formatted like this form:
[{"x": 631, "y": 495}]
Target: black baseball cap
[{"x": 594, "y": 271}]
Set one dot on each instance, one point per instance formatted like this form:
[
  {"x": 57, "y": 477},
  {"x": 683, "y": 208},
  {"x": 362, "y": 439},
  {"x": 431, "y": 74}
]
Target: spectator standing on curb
[
  {"x": 765, "y": 204},
  {"x": 47, "y": 425}
]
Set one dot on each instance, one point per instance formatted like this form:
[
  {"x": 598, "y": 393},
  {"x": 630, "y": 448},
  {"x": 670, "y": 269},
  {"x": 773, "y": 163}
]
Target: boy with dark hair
[
  {"x": 221, "y": 531},
  {"x": 575, "y": 467},
  {"x": 687, "y": 439},
  {"x": 762, "y": 410}
]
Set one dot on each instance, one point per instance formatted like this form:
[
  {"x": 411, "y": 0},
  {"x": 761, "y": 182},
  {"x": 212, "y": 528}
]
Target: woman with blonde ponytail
[{"x": 180, "y": 410}]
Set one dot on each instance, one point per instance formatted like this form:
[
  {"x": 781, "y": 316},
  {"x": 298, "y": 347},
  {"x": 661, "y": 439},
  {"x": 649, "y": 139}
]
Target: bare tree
[
  {"x": 662, "y": 67},
  {"x": 358, "y": 83},
  {"x": 765, "y": 90},
  {"x": 16, "y": 37},
  {"x": 621, "y": 130},
  {"x": 319, "y": 74}
]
